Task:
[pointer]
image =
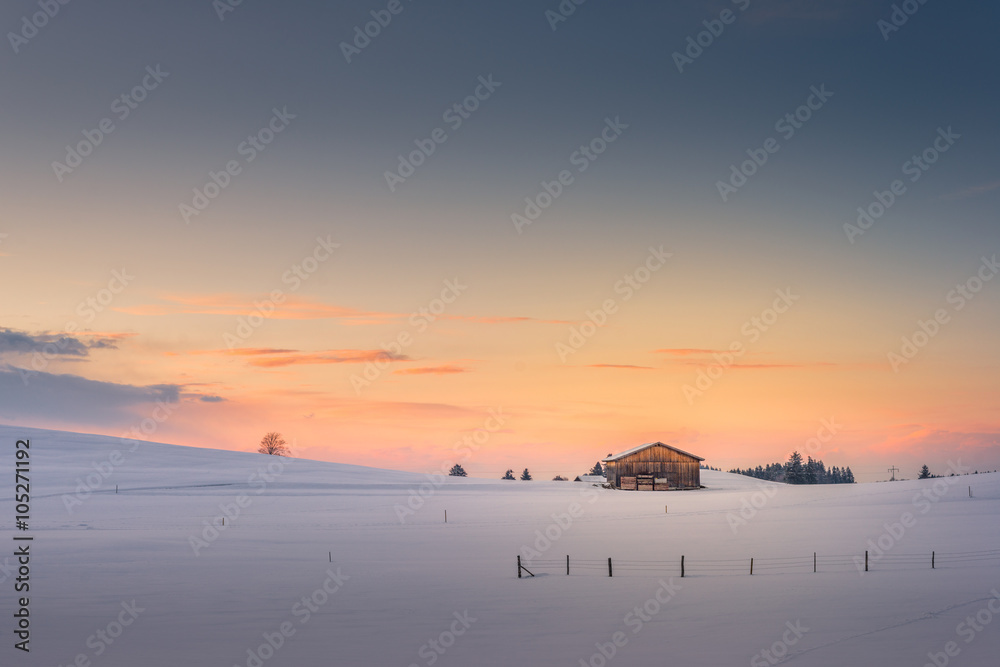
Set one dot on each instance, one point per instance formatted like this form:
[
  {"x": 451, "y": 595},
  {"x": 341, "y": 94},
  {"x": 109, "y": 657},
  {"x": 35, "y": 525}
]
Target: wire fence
[{"x": 684, "y": 567}]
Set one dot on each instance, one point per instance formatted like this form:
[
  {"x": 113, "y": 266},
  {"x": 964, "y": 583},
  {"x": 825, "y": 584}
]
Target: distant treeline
[{"x": 795, "y": 471}]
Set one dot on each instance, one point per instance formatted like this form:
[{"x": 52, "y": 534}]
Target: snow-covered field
[{"x": 408, "y": 589}]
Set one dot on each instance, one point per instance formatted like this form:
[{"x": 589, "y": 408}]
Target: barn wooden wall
[{"x": 645, "y": 470}]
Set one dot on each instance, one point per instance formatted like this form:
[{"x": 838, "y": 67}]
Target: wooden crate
[{"x": 628, "y": 483}]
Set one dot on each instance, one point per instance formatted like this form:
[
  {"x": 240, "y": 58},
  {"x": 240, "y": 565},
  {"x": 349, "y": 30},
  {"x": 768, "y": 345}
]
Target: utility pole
[{"x": 893, "y": 470}]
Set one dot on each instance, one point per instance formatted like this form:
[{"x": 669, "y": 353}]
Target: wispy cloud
[
  {"x": 703, "y": 356},
  {"x": 815, "y": 364},
  {"x": 928, "y": 441},
  {"x": 236, "y": 352},
  {"x": 432, "y": 370},
  {"x": 295, "y": 358},
  {"x": 295, "y": 308},
  {"x": 628, "y": 366},
  {"x": 685, "y": 351},
  {"x": 973, "y": 191}
]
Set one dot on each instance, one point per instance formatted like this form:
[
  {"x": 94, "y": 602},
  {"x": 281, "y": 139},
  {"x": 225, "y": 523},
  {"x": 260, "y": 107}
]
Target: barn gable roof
[{"x": 629, "y": 452}]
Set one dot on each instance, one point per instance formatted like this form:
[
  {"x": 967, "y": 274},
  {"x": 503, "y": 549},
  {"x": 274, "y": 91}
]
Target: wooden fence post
[
  {"x": 567, "y": 564},
  {"x": 814, "y": 562},
  {"x": 751, "y": 567},
  {"x": 866, "y": 560},
  {"x": 518, "y": 567},
  {"x": 932, "y": 560},
  {"x": 609, "y": 567},
  {"x": 446, "y": 516},
  {"x": 682, "y": 567}
]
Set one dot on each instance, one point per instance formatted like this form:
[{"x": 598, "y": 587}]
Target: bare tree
[{"x": 273, "y": 444}]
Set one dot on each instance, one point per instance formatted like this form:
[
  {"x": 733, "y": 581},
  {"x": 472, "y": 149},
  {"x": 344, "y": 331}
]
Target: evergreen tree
[
  {"x": 559, "y": 478},
  {"x": 794, "y": 470},
  {"x": 809, "y": 473},
  {"x": 457, "y": 471},
  {"x": 508, "y": 475},
  {"x": 598, "y": 470},
  {"x": 525, "y": 476},
  {"x": 848, "y": 476},
  {"x": 925, "y": 472}
]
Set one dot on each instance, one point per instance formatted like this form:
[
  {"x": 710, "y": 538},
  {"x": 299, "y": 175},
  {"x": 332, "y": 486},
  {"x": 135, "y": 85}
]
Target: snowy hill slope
[{"x": 412, "y": 590}]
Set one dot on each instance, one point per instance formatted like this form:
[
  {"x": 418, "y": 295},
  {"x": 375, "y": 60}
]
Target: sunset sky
[{"x": 379, "y": 320}]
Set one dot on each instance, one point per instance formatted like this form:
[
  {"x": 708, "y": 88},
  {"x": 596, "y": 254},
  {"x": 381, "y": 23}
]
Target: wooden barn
[{"x": 653, "y": 467}]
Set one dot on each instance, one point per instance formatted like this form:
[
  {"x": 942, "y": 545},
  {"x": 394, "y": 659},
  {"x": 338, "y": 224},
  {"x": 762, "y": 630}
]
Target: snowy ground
[{"x": 423, "y": 592}]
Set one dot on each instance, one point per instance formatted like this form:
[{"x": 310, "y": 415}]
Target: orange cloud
[
  {"x": 817, "y": 364},
  {"x": 267, "y": 357},
  {"x": 642, "y": 368},
  {"x": 431, "y": 370},
  {"x": 237, "y": 352},
  {"x": 327, "y": 357},
  {"x": 293, "y": 308},
  {"x": 685, "y": 351}
]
